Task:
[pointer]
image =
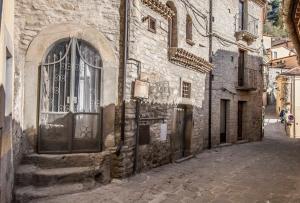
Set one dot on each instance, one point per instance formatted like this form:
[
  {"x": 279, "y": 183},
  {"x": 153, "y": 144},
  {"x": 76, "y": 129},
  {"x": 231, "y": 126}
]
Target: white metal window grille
[{"x": 70, "y": 97}]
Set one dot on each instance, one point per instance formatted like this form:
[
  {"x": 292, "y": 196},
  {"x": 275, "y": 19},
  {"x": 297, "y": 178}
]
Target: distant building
[
  {"x": 291, "y": 13},
  {"x": 237, "y": 85},
  {"x": 288, "y": 100},
  {"x": 280, "y": 57}
]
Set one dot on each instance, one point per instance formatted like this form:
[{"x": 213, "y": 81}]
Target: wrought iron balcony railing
[{"x": 246, "y": 28}]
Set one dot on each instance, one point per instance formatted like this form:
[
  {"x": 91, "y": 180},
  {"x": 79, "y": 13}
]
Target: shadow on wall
[
  {"x": 157, "y": 148},
  {"x": 8, "y": 161},
  {"x": 242, "y": 79},
  {"x": 227, "y": 66}
]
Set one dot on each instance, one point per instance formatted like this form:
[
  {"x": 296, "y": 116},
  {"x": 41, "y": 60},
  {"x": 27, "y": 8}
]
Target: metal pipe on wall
[
  {"x": 125, "y": 57},
  {"x": 210, "y": 73},
  {"x": 137, "y": 118}
]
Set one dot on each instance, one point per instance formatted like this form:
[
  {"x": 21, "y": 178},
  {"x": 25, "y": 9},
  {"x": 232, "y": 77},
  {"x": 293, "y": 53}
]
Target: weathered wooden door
[
  {"x": 240, "y": 119},
  {"x": 70, "y": 111},
  {"x": 179, "y": 141},
  {"x": 223, "y": 121}
]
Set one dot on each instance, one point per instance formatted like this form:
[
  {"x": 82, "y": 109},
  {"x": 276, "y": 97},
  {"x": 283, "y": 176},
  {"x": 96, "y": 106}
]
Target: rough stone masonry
[{"x": 168, "y": 50}]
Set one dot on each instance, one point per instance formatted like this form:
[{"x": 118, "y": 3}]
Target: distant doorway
[
  {"x": 241, "y": 107},
  {"x": 183, "y": 126},
  {"x": 179, "y": 141},
  {"x": 223, "y": 120}
]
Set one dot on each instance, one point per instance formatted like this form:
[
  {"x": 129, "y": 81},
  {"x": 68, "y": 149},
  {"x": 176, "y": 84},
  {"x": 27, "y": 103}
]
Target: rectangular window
[
  {"x": 241, "y": 68},
  {"x": 186, "y": 89},
  {"x": 275, "y": 55},
  {"x": 241, "y": 14},
  {"x": 151, "y": 24},
  {"x": 1, "y": 5},
  {"x": 189, "y": 30}
]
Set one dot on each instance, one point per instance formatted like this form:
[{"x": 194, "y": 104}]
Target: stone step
[
  {"x": 29, "y": 193},
  {"x": 32, "y": 175},
  {"x": 63, "y": 160}
]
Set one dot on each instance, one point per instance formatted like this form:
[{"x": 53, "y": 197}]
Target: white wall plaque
[
  {"x": 163, "y": 131},
  {"x": 141, "y": 89}
]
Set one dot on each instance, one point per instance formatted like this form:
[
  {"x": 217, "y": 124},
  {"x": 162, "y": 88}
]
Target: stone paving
[{"x": 262, "y": 172}]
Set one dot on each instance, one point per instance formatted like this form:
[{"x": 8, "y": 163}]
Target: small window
[
  {"x": 275, "y": 54},
  {"x": 1, "y": 5},
  {"x": 151, "y": 24},
  {"x": 186, "y": 89},
  {"x": 189, "y": 30}
]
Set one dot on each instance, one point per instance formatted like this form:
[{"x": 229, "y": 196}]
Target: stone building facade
[
  {"x": 237, "y": 84},
  {"x": 106, "y": 89},
  {"x": 6, "y": 99},
  {"x": 65, "y": 96},
  {"x": 168, "y": 57},
  {"x": 63, "y": 48}
]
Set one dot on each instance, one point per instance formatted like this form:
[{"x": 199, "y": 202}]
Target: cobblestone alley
[{"x": 265, "y": 172}]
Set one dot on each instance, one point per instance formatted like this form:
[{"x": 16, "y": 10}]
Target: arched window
[
  {"x": 70, "y": 96},
  {"x": 173, "y": 33},
  {"x": 189, "y": 29}
]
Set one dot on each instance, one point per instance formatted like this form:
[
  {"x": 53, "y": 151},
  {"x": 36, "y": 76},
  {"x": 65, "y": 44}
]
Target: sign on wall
[
  {"x": 141, "y": 89},
  {"x": 163, "y": 131}
]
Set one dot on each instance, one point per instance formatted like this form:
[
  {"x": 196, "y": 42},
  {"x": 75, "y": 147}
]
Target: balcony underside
[
  {"x": 246, "y": 36},
  {"x": 246, "y": 88}
]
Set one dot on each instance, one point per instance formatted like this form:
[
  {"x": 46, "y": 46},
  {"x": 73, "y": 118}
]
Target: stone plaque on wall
[
  {"x": 163, "y": 131},
  {"x": 141, "y": 89}
]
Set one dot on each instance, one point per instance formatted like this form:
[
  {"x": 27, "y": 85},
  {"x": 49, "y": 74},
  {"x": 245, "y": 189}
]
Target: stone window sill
[{"x": 190, "y": 42}]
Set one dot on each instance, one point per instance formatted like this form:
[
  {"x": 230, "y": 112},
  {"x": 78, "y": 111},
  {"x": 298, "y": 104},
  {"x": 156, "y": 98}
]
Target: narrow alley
[{"x": 263, "y": 172}]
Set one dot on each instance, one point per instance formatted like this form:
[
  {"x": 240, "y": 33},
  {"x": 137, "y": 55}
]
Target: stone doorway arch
[{"x": 35, "y": 55}]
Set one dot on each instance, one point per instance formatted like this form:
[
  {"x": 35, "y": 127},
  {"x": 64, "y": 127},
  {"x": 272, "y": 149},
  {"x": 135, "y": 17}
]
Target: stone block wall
[
  {"x": 165, "y": 79},
  {"x": 34, "y": 18},
  {"x": 225, "y": 72}
]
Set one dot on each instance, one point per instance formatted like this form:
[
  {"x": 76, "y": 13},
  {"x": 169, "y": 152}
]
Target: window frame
[
  {"x": 189, "y": 30},
  {"x": 150, "y": 21},
  {"x": 186, "y": 90},
  {"x": 1, "y": 8}
]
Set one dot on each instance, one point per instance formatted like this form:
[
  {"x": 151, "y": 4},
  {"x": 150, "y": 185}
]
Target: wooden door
[
  {"x": 179, "y": 140},
  {"x": 223, "y": 121},
  {"x": 240, "y": 119}
]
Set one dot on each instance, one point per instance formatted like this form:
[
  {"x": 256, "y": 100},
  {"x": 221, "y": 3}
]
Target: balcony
[
  {"x": 247, "y": 80},
  {"x": 246, "y": 28}
]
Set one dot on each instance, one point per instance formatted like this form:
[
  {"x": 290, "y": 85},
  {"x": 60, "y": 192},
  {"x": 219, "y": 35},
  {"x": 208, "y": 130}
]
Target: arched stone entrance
[{"x": 36, "y": 55}]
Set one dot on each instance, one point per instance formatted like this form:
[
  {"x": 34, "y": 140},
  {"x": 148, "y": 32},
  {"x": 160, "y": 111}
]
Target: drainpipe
[
  {"x": 137, "y": 119},
  {"x": 125, "y": 56},
  {"x": 210, "y": 73}
]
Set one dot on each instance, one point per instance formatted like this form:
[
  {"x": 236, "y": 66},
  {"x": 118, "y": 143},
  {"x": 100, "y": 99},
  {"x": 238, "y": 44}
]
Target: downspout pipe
[
  {"x": 137, "y": 118},
  {"x": 210, "y": 73},
  {"x": 125, "y": 57}
]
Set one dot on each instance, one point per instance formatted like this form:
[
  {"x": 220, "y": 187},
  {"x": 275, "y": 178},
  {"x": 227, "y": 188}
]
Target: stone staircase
[{"x": 44, "y": 175}]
